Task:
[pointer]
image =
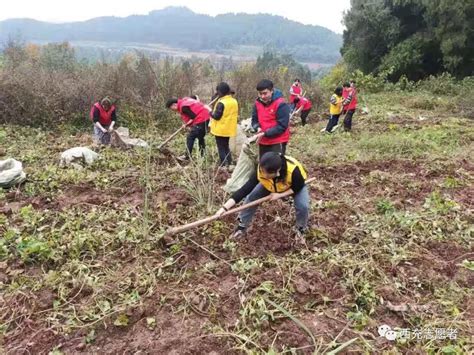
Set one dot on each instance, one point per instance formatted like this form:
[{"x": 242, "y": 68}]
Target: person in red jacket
[
  {"x": 349, "y": 93},
  {"x": 104, "y": 116},
  {"x": 304, "y": 105},
  {"x": 196, "y": 116},
  {"x": 296, "y": 90},
  {"x": 270, "y": 119}
]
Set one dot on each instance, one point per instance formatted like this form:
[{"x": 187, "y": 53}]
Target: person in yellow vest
[
  {"x": 335, "y": 110},
  {"x": 275, "y": 174},
  {"x": 224, "y": 122}
]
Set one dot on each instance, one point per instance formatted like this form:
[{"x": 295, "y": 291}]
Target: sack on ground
[
  {"x": 11, "y": 173},
  {"x": 121, "y": 139},
  {"x": 77, "y": 156}
]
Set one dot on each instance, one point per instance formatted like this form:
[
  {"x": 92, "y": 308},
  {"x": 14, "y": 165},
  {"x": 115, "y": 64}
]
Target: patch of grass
[
  {"x": 413, "y": 144},
  {"x": 385, "y": 206},
  {"x": 451, "y": 138}
]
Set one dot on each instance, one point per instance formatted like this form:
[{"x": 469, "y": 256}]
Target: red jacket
[
  {"x": 296, "y": 91},
  {"x": 305, "y": 103},
  {"x": 201, "y": 112},
  {"x": 345, "y": 94},
  {"x": 105, "y": 116},
  {"x": 267, "y": 119}
]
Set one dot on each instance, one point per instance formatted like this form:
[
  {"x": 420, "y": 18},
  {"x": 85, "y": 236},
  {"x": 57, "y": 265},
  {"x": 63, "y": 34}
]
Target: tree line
[{"x": 410, "y": 38}]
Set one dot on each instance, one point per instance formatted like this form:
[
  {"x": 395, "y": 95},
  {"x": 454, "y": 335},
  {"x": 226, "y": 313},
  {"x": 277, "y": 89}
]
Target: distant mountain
[{"x": 182, "y": 28}]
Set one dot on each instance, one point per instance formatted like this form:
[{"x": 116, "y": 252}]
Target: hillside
[
  {"x": 180, "y": 27},
  {"x": 84, "y": 268}
]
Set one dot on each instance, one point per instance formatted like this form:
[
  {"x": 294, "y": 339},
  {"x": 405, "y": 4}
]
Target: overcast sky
[{"x": 327, "y": 13}]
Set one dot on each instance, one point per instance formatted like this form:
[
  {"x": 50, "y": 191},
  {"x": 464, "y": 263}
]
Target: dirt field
[{"x": 84, "y": 267}]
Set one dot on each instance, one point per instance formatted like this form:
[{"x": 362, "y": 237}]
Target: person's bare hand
[
  {"x": 220, "y": 212},
  {"x": 274, "y": 196},
  {"x": 256, "y": 137}
]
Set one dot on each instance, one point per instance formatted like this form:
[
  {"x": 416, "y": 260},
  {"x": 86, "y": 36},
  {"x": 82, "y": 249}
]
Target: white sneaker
[
  {"x": 183, "y": 158},
  {"x": 334, "y": 128},
  {"x": 238, "y": 233},
  {"x": 323, "y": 129}
]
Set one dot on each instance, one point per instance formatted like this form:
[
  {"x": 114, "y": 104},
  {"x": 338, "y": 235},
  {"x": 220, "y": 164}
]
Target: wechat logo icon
[{"x": 387, "y": 332}]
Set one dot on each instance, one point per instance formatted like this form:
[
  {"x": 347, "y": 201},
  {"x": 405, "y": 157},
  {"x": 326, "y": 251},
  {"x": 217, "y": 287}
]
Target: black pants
[
  {"x": 304, "y": 115},
  {"x": 223, "y": 149},
  {"x": 279, "y": 148},
  {"x": 348, "y": 120},
  {"x": 333, "y": 121},
  {"x": 197, "y": 132}
]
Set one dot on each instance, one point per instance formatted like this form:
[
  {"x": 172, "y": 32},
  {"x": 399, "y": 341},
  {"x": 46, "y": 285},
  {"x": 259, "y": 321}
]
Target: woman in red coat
[{"x": 104, "y": 116}]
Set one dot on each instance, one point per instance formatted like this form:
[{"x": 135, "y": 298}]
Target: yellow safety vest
[
  {"x": 227, "y": 125},
  {"x": 337, "y": 108},
  {"x": 278, "y": 185}
]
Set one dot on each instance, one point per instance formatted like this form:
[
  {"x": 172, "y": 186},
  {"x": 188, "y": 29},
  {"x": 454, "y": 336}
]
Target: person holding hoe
[
  {"x": 336, "y": 103},
  {"x": 195, "y": 116},
  {"x": 303, "y": 105},
  {"x": 275, "y": 175},
  {"x": 349, "y": 93}
]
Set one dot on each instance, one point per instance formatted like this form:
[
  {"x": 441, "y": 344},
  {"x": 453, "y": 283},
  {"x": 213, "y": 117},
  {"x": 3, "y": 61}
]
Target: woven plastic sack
[
  {"x": 236, "y": 143},
  {"x": 121, "y": 139},
  {"x": 246, "y": 165},
  {"x": 11, "y": 173},
  {"x": 77, "y": 155}
]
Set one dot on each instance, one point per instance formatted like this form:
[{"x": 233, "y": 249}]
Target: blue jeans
[{"x": 301, "y": 206}]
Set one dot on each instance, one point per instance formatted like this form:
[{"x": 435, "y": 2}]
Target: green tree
[
  {"x": 58, "y": 56},
  {"x": 415, "y": 38},
  {"x": 452, "y": 25},
  {"x": 371, "y": 31},
  {"x": 269, "y": 60}
]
